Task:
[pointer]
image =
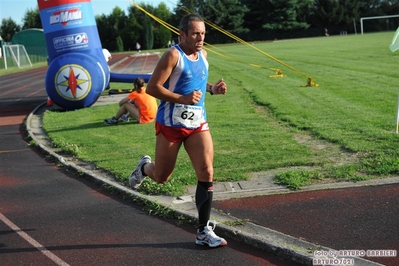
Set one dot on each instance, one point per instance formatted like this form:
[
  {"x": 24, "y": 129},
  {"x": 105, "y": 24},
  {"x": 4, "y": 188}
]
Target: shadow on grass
[{"x": 94, "y": 125}]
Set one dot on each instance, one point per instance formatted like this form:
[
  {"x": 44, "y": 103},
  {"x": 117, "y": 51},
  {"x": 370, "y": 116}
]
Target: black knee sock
[
  {"x": 142, "y": 169},
  {"x": 203, "y": 200}
]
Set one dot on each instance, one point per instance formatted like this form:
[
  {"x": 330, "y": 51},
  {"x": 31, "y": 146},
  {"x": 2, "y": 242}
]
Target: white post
[
  {"x": 361, "y": 25},
  {"x": 5, "y": 56},
  {"x": 4, "y": 52}
]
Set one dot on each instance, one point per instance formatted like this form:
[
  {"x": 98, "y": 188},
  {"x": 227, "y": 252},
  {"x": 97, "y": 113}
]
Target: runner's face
[{"x": 196, "y": 35}]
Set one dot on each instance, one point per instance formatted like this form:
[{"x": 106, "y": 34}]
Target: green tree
[
  {"x": 162, "y": 35},
  {"x": 325, "y": 12},
  {"x": 183, "y": 6},
  {"x": 116, "y": 22},
  {"x": 32, "y": 19},
  {"x": 369, "y": 8},
  {"x": 119, "y": 44},
  {"x": 110, "y": 27},
  {"x": 227, "y": 14},
  {"x": 339, "y": 14},
  {"x": 390, "y": 7},
  {"x": 8, "y": 29},
  {"x": 256, "y": 16},
  {"x": 132, "y": 32},
  {"x": 284, "y": 16},
  {"x": 148, "y": 34},
  {"x": 103, "y": 30},
  {"x": 304, "y": 10},
  {"x": 349, "y": 11},
  {"x": 139, "y": 18}
]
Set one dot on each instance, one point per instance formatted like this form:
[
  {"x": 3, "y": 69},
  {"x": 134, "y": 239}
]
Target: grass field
[
  {"x": 343, "y": 129},
  {"x": 15, "y": 69}
]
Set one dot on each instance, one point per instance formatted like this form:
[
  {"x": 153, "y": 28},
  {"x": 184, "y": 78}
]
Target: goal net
[
  {"x": 380, "y": 23},
  {"x": 16, "y": 55}
]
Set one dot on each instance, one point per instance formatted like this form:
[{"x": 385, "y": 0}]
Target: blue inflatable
[{"x": 78, "y": 72}]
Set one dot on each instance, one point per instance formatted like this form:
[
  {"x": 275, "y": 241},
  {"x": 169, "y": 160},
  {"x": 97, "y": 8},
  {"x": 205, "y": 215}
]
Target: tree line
[{"x": 251, "y": 20}]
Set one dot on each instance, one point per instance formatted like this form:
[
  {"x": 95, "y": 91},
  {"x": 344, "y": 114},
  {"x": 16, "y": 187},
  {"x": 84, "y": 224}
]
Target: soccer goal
[
  {"x": 16, "y": 55},
  {"x": 377, "y": 17}
]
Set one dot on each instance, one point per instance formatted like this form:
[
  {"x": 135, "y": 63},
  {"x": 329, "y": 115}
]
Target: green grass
[
  {"x": 15, "y": 69},
  {"x": 344, "y": 128}
]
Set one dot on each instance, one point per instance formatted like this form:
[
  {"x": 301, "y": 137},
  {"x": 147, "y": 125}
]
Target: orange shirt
[{"x": 147, "y": 105}]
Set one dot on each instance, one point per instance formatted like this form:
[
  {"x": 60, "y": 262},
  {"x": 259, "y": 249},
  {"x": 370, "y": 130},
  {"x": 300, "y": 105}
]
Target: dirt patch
[
  {"x": 325, "y": 153},
  {"x": 332, "y": 153}
]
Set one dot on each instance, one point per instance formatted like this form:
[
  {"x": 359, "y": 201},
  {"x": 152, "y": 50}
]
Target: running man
[{"x": 180, "y": 81}]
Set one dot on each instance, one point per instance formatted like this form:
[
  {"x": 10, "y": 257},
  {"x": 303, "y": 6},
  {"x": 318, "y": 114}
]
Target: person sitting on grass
[{"x": 138, "y": 104}]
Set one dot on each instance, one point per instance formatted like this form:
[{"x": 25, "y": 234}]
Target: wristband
[{"x": 210, "y": 90}]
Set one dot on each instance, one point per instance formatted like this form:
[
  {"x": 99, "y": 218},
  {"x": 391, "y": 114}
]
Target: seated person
[{"x": 138, "y": 104}]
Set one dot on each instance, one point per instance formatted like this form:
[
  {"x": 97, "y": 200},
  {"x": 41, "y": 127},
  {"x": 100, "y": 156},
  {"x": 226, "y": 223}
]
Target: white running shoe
[
  {"x": 209, "y": 237},
  {"x": 125, "y": 118},
  {"x": 136, "y": 177},
  {"x": 111, "y": 121}
]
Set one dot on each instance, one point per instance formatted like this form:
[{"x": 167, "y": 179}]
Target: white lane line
[{"x": 33, "y": 242}]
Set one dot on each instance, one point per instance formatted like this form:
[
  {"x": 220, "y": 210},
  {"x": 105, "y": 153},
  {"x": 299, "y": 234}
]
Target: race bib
[{"x": 187, "y": 115}]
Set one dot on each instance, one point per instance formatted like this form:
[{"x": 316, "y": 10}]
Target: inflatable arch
[{"x": 78, "y": 72}]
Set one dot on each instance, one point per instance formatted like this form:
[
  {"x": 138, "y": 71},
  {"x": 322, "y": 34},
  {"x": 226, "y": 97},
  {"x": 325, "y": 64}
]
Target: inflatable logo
[
  {"x": 73, "y": 82},
  {"x": 77, "y": 73},
  {"x": 64, "y": 17}
]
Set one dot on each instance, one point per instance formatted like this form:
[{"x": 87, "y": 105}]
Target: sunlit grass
[{"x": 255, "y": 126}]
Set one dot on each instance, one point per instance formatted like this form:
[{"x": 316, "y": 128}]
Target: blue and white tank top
[{"x": 188, "y": 76}]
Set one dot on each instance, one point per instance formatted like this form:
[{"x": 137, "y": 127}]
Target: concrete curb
[{"x": 287, "y": 247}]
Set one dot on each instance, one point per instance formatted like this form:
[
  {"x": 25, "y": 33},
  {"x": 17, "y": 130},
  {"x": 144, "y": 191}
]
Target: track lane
[{"x": 78, "y": 221}]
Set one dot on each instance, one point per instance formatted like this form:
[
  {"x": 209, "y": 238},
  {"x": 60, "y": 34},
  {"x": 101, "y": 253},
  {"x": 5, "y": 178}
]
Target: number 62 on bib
[{"x": 188, "y": 116}]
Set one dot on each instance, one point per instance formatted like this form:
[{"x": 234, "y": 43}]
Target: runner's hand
[
  {"x": 219, "y": 87},
  {"x": 192, "y": 98}
]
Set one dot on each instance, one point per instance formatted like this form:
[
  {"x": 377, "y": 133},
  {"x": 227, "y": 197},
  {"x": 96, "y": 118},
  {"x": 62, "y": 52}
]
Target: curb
[{"x": 285, "y": 246}]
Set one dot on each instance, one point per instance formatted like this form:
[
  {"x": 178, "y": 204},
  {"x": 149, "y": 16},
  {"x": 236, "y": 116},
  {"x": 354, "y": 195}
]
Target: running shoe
[
  {"x": 125, "y": 118},
  {"x": 111, "y": 121},
  {"x": 208, "y": 237},
  {"x": 136, "y": 177}
]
